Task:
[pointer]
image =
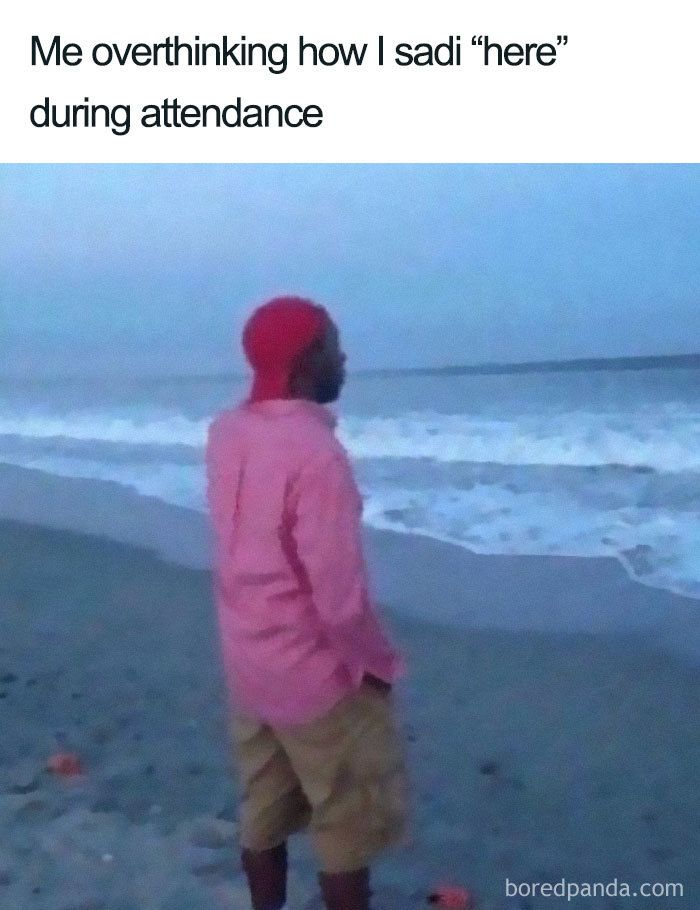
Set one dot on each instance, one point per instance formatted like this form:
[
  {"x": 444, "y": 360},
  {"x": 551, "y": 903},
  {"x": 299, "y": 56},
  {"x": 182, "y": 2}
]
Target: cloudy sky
[{"x": 153, "y": 268}]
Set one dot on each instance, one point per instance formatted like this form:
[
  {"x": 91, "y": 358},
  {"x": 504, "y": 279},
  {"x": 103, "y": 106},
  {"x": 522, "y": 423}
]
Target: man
[{"x": 309, "y": 668}]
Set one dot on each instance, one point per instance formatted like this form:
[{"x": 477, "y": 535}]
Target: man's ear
[
  {"x": 317, "y": 345},
  {"x": 299, "y": 373}
]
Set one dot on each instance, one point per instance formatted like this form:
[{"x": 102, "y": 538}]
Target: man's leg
[
  {"x": 346, "y": 890},
  {"x": 351, "y": 766},
  {"x": 272, "y": 806},
  {"x": 266, "y": 871}
]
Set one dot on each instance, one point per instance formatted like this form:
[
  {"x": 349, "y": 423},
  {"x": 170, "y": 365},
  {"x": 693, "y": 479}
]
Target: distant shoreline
[{"x": 581, "y": 365}]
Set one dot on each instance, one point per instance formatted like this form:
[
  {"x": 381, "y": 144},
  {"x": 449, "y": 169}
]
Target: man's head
[{"x": 293, "y": 347}]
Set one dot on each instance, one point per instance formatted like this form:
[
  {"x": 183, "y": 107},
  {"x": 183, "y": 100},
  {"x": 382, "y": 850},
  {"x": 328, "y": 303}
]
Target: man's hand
[{"x": 377, "y": 683}]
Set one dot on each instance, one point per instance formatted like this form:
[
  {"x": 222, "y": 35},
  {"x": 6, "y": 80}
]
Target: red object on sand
[
  {"x": 67, "y": 764},
  {"x": 451, "y": 896}
]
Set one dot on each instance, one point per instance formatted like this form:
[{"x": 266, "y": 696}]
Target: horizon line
[{"x": 578, "y": 364}]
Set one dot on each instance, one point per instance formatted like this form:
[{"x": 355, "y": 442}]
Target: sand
[{"x": 551, "y": 734}]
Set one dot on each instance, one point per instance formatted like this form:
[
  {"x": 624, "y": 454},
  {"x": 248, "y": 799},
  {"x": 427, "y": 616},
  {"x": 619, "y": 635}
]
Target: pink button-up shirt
[{"x": 298, "y": 629}]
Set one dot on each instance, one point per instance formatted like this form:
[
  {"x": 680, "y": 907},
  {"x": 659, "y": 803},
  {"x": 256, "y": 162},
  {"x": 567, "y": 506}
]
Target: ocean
[{"x": 584, "y": 463}]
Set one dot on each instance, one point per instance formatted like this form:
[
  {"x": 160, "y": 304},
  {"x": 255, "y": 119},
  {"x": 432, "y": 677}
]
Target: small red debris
[
  {"x": 67, "y": 764},
  {"x": 451, "y": 896}
]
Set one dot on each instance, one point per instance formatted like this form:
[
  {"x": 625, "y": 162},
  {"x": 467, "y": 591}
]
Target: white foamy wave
[
  {"x": 658, "y": 547},
  {"x": 664, "y": 441},
  {"x": 171, "y": 429},
  {"x": 576, "y": 439}
]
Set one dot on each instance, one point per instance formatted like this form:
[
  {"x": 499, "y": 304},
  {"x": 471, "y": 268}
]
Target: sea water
[{"x": 598, "y": 463}]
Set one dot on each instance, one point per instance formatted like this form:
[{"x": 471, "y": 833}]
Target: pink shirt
[{"x": 298, "y": 628}]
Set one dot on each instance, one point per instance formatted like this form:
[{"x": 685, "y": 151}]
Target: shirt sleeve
[{"x": 328, "y": 538}]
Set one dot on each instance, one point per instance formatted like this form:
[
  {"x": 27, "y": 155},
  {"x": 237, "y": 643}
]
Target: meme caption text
[{"x": 54, "y": 51}]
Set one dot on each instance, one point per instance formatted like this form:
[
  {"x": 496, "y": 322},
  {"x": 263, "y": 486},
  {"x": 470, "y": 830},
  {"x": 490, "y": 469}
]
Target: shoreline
[{"x": 462, "y": 589}]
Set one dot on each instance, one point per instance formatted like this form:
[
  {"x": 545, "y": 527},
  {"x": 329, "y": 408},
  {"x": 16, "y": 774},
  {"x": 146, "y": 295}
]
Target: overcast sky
[{"x": 153, "y": 268}]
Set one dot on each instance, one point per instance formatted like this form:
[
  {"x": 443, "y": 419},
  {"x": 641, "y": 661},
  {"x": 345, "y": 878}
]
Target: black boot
[
  {"x": 266, "y": 871},
  {"x": 346, "y": 890}
]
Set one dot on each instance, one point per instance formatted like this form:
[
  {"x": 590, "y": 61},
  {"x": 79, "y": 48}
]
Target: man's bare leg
[
  {"x": 346, "y": 890},
  {"x": 266, "y": 871}
]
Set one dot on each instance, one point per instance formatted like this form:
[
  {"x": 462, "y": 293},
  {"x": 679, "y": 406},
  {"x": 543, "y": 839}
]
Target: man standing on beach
[{"x": 309, "y": 667}]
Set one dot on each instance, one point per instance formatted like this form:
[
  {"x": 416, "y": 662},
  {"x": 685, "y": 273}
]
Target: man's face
[{"x": 328, "y": 364}]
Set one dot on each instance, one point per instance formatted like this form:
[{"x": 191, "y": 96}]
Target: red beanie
[{"x": 275, "y": 336}]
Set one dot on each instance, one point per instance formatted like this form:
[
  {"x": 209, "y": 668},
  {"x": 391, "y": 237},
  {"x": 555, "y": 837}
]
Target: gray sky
[{"x": 154, "y": 267}]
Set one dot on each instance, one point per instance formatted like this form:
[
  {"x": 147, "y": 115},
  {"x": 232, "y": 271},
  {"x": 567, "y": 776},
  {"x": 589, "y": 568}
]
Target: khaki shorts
[{"x": 342, "y": 776}]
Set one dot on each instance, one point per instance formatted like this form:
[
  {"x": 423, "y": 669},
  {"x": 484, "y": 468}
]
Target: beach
[{"x": 548, "y": 735}]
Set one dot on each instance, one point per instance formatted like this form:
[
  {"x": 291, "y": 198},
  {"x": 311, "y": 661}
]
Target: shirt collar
[{"x": 284, "y": 406}]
